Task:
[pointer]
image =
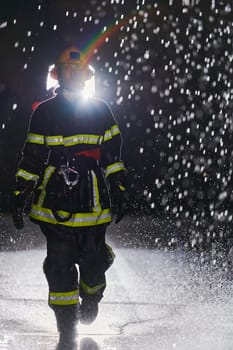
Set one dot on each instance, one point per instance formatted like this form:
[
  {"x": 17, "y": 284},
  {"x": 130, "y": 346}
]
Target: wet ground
[{"x": 156, "y": 299}]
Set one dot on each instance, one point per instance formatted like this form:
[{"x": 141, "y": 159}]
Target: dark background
[{"x": 167, "y": 74}]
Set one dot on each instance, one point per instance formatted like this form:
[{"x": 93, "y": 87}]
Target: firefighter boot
[
  {"x": 88, "y": 310},
  {"x": 67, "y": 319}
]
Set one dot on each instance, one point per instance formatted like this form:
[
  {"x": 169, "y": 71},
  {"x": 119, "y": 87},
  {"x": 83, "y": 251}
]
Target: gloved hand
[
  {"x": 118, "y": 194},
  {"x": 120, "y": 199},
  {"x": 18, "y": 203},
  {"x": 23, "y": 191}
]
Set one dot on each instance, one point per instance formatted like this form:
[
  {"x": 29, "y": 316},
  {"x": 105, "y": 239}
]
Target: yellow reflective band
[
  {"x": 122, "y": 188},
  {"x": 35, "y": 138},
  {"x": 77, "y": 220},
  {"x": 83, "y": 139},
  {"x": 91, "y": 290},
  {"x": 108, "y": 135},
  {"x": 113, "y": 168},
  {"x": 16, "y": 193},
  {"x": 26, "y": 175},
  {"x": 64, "y": 298},
  {"x": 74, "y": 140},
  {"x": 96, "y": 196},
  {"x": 54, "y": 140},
  {"x": 47, "y": 175}
]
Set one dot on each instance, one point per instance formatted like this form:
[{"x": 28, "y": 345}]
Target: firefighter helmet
[{"x": 73, "y": 56}]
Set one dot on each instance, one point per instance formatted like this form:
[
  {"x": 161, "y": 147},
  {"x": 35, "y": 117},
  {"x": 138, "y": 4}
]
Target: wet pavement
[{"x": 155, "y": 300}]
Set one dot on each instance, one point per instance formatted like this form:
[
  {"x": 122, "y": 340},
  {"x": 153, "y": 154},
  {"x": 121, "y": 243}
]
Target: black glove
[
  {"x": 120, "y": 198},
  {"x": 18, "y": 203},
  {"x": 23, "y": 191},
  {"x": 118, "y": 195}
]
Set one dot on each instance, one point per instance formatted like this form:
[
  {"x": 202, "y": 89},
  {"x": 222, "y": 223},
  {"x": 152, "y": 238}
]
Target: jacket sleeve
[
  {"x": 111, "y": 146},
  {"x": 34, "y": 153}
]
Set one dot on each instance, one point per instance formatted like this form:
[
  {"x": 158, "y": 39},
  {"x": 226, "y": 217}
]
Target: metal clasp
[{"x": 70, "y": 175}]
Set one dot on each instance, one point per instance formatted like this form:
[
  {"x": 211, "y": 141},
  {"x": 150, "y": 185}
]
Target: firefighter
[{"x": 71, "y": 162}]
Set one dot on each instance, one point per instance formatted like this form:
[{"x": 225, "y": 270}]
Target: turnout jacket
[{"x": 70, "y": 152}]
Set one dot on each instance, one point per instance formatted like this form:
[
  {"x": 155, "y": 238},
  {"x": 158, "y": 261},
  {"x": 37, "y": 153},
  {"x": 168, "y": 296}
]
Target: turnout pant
[{"x": 86, "y": 248}]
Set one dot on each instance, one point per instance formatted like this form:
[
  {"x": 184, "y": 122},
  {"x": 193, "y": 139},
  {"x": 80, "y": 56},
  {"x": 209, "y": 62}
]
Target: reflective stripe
[
  {"x": 113, "y": 168},
  {"x": 64, "y": 298},
  {"x": 111, "y": 132},
  {"x": 26, "y": 175},
  {"x": 47, "y": 175},
  {"x": 79, "y": 219},
  {"x": 91, "y": 290},
  {"x": 83, "y": 139},
  {"x": 54, "y": 140},
  {"x": 35, "y": 138},
  {"x": 74, "y": 140},
  {"x": 96, "y": 196}
]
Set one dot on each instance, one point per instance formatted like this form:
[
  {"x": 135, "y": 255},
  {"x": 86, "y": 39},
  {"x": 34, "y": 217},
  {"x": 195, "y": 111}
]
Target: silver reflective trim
[
  {"x": 74, "y": 140},
  {"x": 64, "y": 298},
  {"x": 47, "y": 175},
  {"x": 91, "y": 290},
  {"x": 54, "y": 140},
  {"x": 108, "y": 135},
  {"x": 80, "y": 139},
  {"x": 79, "y": 219},
  {"x": 26, "y": 175},
  {"x": 96, "y": 196},
  {"x": 35, "y": 138},
  {"x": 113, "y": 168},
  {"x": 70, "y": 297}
]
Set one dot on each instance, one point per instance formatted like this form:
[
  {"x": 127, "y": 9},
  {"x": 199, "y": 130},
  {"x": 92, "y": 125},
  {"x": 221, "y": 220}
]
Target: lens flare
[{"x": 88, "y": 90}]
